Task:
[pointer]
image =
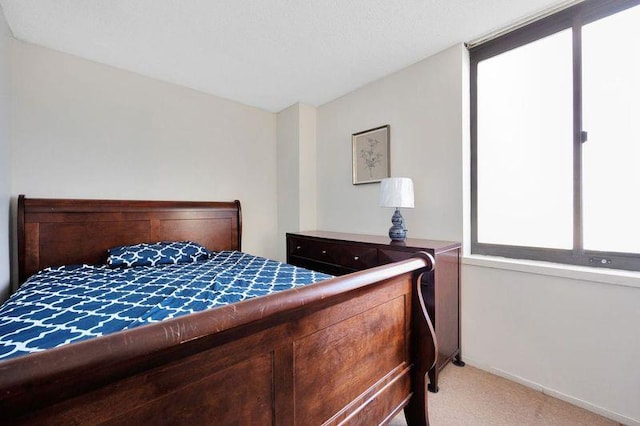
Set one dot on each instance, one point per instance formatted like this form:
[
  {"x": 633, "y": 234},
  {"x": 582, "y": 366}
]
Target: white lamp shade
[{"x": 396, "y": 192}]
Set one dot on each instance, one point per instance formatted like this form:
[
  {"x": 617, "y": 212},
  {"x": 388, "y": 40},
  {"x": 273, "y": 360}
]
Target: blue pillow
[{"x": 151, "y": 254}]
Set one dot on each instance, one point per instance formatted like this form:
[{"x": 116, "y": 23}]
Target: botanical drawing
[{"x": 370, "y": 155}]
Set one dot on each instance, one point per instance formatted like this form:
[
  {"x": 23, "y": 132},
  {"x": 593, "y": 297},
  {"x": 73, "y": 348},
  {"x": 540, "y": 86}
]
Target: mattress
[{"x": 68, "y": 304}]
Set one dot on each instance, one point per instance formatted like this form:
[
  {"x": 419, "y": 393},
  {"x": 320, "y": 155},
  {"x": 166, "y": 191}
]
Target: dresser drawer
[
  {"x": 345, "y": 255},
  {"x": 356, "y": 257},
  {"x": 304, "y": 248},
  {"x": 315, "y": 250}
]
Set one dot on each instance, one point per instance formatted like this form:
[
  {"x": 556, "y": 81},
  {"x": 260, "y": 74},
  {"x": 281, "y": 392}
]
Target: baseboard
[{"x": 554, "y": 393}]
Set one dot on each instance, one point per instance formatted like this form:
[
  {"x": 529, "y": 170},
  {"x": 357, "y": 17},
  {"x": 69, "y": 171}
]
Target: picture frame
[{"x": 370, "y": 154}]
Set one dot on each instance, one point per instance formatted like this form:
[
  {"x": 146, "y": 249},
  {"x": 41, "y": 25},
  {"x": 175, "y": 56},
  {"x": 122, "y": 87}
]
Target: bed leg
[
  {"x": 417, "y": 412},
  {"x": 433, "y": 381},
  {"x": 424, "y": 348}
]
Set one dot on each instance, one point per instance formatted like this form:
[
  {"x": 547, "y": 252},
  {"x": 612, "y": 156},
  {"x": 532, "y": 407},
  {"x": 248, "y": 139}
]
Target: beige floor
[{"x": 469, "y": 396}]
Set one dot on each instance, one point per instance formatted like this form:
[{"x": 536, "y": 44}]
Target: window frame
[{"x": 574, "y": 17}]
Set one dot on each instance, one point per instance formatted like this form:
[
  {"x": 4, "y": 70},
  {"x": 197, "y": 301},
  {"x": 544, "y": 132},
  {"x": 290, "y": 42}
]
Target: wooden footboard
[{"x": 351, "y": 350}]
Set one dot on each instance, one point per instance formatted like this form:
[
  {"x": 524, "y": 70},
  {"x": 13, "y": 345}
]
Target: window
[{"x": 555, "y": 155}]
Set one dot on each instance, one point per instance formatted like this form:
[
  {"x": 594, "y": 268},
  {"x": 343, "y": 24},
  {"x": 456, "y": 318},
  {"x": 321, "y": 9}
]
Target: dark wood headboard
[{"x": 55, "y": 232}]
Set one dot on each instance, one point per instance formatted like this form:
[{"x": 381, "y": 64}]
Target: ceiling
[{"x": 266, "y": 53}]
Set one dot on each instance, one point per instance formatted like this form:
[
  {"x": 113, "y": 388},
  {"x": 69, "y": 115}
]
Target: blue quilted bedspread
[{"x": 61, "y": 305}]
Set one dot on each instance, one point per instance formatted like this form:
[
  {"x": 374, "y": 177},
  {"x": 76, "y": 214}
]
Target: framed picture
[{"x": 371, "y": 155}]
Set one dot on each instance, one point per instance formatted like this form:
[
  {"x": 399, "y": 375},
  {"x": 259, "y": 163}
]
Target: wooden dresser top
[{"x": 435, "y": 245}]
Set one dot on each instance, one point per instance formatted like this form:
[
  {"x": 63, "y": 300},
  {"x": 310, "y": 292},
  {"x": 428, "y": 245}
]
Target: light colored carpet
[{"x": 469, "y": 396}]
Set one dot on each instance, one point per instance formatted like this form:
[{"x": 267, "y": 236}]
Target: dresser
[{"x": 338, "y": 254}]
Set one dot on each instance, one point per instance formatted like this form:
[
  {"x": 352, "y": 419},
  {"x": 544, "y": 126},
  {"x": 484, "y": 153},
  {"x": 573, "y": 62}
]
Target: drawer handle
[
  {"x": 297, "y": 247},
  {"x": 324, "y": 252},
  {"x": 356, "y": 257}
]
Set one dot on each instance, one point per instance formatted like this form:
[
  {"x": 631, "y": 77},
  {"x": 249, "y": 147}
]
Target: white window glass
[
  {"x": 524, "y": 145},
  {"x": 611, "y": 111}
]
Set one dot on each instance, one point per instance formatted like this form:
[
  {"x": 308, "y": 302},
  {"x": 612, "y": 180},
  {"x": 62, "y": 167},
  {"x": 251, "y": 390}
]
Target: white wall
[
  {"x": 296, "y": 157},
  {"x": 422, "y": 105},
  {"x": 5, "y": 157},
  {"x": 288, "y": 154},
  {"x": 85, "y": 130},
  {"x": 576, "y": 338},
  {"x": 307, "y": 167}
]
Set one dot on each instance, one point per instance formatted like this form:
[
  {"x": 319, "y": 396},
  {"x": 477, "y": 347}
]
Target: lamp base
[{"x": 397, "y": 232}]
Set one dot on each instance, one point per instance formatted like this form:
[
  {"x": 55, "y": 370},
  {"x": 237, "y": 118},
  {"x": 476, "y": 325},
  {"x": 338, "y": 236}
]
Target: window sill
[{"x": 582, "y": 273}]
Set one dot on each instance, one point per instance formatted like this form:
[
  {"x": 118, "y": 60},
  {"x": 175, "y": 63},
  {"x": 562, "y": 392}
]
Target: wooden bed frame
[{"x": 350, "y": 350}]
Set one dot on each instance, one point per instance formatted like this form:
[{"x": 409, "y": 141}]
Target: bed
[{"x": 347, "y": 350}]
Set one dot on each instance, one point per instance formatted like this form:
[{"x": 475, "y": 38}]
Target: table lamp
[{"x": 397, "y": 192}]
